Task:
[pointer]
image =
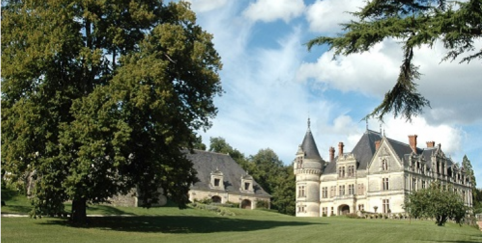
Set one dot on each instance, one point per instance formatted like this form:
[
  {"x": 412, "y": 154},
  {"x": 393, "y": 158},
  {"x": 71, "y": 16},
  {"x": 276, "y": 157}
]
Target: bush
[
  {"x": 262, "y": 204},
  {"x": 352, "y": 216}
]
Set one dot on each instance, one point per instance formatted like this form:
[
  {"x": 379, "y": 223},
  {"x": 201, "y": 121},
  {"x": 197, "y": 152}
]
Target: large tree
[
  {"x": 438, "y": 202},
  {"x": 413, "y": 23},
  {"x": 99, "y": 97}
]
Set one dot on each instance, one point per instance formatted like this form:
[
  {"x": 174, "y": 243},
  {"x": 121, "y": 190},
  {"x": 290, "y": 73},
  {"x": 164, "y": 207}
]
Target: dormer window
[
  {"x": 217, "y": 180},
  {"x": 247, "y": 183}
]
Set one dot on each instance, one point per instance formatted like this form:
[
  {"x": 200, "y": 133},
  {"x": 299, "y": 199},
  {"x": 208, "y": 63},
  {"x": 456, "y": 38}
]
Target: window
[
  {"x": 332, "y": 211},
  {"x": 361, "y": 207},
  {"x": 299, "y": 162},
  {"x": 384, "y": 165},
  {"x": 361, "y": 189},
  {"x": 341, "y": 172},
  {"x": 246, "y": 186},
  {"x": 342, "y": 190},
  {"x": 385, "y": 184},
  {"x": 332, "y": 191},
  {"x": 386, "y": 206},
  {"x": 301, "y": 191},
  {"x": 423, "y": 184},
  {"x": 351, "y": 189},
  {"x": 351, "y": 171},
  {"x": 324, "y": 192},
  {"x": 325, "y": 211},
  {"x": 216, "y": 182},
  {"x": 301, "y": 209}
]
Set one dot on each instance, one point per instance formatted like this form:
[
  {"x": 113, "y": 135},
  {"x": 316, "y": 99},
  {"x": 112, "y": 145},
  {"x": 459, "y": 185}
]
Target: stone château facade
[
  {"x": 221, "y": 179},
  {"x": 376, "y": 176}
]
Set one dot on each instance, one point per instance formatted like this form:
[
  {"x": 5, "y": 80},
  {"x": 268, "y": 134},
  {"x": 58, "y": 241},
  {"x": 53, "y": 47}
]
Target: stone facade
[
  {"x": 221, "y": 179},
  {"x": 375, "y": 177}
]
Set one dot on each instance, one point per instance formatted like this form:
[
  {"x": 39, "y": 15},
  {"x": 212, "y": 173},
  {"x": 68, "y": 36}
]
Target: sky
[{"x": 273, "y": 84}]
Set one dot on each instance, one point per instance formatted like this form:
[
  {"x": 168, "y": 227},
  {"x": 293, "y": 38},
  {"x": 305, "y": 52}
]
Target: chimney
[
  {"x": 377, "y": 144},
  {"x": 332, "y": 154},
  {"x": 340, "y": 148},
  {"x": 413, "y": 142},
  {"x": 430, "y": 144}
]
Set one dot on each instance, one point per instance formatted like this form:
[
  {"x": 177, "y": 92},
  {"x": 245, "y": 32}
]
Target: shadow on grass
[
  {"x": 180, "y": 224},
  {"x": 104, "y": 209},
  {"x": 16, "y": 209}
]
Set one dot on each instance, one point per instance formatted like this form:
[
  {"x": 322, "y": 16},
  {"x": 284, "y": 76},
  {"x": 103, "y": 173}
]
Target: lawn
[{"x": 169, "y": 224}]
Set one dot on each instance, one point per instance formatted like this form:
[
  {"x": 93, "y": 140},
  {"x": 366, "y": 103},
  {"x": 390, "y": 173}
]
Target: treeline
[{"x": 267, "y": 170}]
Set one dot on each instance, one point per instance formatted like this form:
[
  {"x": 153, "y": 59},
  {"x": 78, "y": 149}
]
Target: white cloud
[
  {"x": 271, "y": 10},
  {"x": 450, "y": 137},
  {"x": 201, "y": 6},
  {"x": 453, "y": 89},
  {"x": 371, "y": 73},
  {"x": 325, "y": 16}
]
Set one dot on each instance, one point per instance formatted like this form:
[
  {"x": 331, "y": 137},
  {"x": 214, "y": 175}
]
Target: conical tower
[{"x": 308, "y": 167}]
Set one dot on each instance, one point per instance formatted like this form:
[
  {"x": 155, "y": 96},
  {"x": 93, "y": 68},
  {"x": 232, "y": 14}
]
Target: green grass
[
  {"x": 169, "y": 224},
  {"x": 191, "y": 225}
]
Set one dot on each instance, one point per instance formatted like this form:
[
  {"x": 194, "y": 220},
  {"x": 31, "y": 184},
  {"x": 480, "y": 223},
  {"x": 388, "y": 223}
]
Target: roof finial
[
  {"x": 366, "y": 122},
  {"x": 380, "y": 129},
  {"x": 309, "y": 124}
]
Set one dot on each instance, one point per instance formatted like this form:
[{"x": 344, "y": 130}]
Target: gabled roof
[
  {"x": 365, "y": 149},
  {"x": 206, "y": 162}
]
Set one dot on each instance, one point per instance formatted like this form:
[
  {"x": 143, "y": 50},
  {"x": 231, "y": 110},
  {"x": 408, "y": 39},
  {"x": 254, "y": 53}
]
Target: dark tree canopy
[
  {"x": 99, "y": 97},
  {"x": 414, "y": 23}
]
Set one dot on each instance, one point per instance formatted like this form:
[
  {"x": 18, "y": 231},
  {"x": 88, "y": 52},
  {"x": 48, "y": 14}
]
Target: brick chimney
[
  {"x": 340, "y": 148},
  {"x": 412, "y": 139},
  {"x": 430, "y": 144},
  {"x": 377, "y": 144},
  {"x": 332, "y": 154}
]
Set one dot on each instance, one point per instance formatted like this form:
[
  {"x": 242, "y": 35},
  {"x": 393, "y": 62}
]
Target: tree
[
  {"x": 266, "y": 167},
  {"x": 438, "y": 202},
  {"x": 99, "y": 97},
  {"x": 198, "y": 143},
  {"x": 219, "y": 145},
  {"x": 284, "y": 195},
  {"x": 413, "y": 23}
]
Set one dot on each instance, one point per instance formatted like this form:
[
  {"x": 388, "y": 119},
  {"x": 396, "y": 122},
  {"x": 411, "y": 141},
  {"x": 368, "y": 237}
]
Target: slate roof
[
  {"x": 309, "y": 146},
  {"x": 206, "y": 162},
  {"x": 365, "y": 149}
]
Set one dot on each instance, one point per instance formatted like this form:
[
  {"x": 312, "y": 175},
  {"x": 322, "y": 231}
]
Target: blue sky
[{"x": 273, "y": 84}]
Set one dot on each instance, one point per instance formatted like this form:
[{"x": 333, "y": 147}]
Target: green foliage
[
  {"x": 262, "y": 204},
  {"x": 414, "y": 23},
  {"x": 436, "y": 202},
  {"x": 219, "y": 145},
  {"x": 268, "y": 171},
  {"x": 99, "y": 97}
]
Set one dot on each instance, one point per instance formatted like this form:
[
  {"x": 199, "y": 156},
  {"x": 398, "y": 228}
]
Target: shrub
[
  {"x": 262, "y": 204},
  {"x": 352, "y": 216}
]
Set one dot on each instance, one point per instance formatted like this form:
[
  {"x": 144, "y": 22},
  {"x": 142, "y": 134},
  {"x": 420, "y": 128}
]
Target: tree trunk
[{"x": 79, "y": 211}]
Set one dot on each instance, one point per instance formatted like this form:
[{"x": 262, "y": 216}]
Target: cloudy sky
[{"x": 273, "y": 84}]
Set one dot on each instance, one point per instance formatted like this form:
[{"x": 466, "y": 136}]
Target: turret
[{"x": 308, "y": 167}]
